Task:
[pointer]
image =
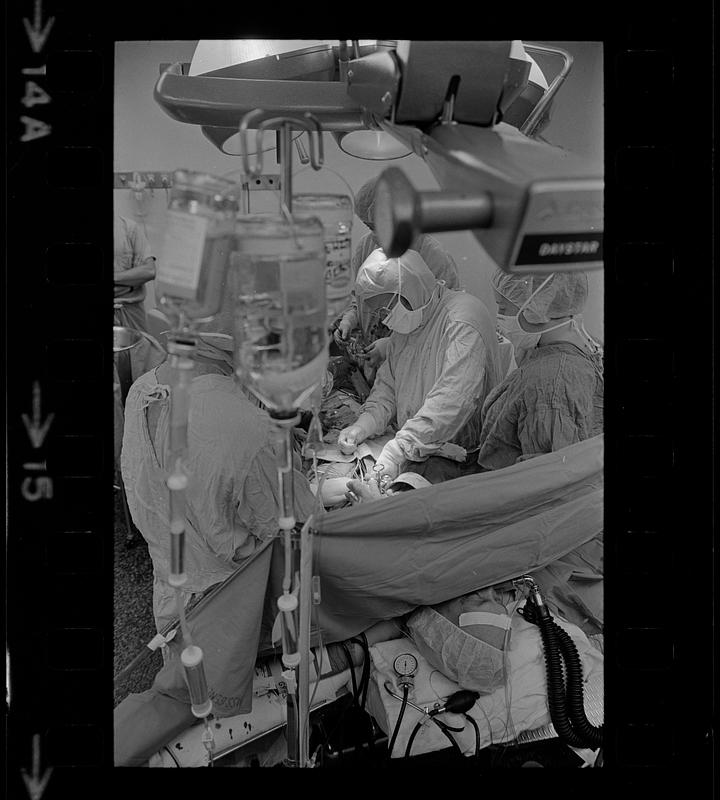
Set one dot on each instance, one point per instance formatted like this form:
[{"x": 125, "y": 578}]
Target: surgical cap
[
  {"x": 218, "y": 348},
  {"x": 220, "y": 341},
  {"x": 216, "y": 336},
  {"x": 365, "y": 202},
  {"x": 564, "y": 295},
  {"x": 381, "y": 275}
]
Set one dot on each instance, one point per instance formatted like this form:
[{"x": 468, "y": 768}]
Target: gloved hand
[
  {"x": 346, "y": 324},
  {"x": 391, "y": 461},
  {"x": 350, "y": 437},
  {"x": 376, "y": 353},
  {"x": 362, "y": 492},
  {"x": 333, "y": 491}
]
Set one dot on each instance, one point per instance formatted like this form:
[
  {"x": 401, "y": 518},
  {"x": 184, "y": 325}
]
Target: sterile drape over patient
[{"x": 380, "y": 560}]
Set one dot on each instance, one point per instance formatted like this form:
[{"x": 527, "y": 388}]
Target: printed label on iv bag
[
  {"x": 181, "y": 262},
  {"x": 337, "y": 267}
]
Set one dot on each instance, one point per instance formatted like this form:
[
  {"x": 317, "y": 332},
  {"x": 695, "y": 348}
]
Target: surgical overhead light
[
  {"x": 270, "y": 59},
  {"x": 371, "y": 145},
  {"x": 470, "y": 109},
  {"x": 264, "y": 58}
]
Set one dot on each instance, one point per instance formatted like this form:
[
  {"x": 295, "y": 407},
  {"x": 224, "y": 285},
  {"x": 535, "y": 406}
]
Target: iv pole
[{"x": 294, "y": 603}]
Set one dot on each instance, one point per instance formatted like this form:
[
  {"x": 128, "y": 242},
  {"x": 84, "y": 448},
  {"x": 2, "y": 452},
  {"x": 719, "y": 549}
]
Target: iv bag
[
  {"x": 335, "y": 211},
  {"x": 281, "y": 341},
  {"x": 199, "y": 237}
]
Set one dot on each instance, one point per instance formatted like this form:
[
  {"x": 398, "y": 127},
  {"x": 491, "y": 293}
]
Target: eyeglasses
[{"x": 383, "y": 310}]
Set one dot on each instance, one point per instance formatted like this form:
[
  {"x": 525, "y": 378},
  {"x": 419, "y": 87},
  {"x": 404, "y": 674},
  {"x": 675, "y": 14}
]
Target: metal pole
[
  {"x": 288, "y": 602},
  {"x": 306, "y": 553},
  {"x": 294, "y": 732},
  {"x": 286, "y": 163},
  {"x": 531, "y": 122}
]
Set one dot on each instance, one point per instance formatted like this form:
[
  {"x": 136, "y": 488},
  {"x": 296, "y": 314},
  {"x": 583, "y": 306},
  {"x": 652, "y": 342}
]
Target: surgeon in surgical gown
[
  {"x": 442, "y": 362},
  {"x": 437, "y": 259},
  {"x": 232, "y": 499},
  {"x": 555, "y": 396}
]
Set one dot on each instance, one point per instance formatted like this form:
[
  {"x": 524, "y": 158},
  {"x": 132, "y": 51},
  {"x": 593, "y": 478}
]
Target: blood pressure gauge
[{"x": 405, "y": 665}]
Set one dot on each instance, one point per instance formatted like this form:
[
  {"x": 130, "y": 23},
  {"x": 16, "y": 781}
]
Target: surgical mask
[
  {"x": 510, "y": 329},
  {"x": 401, "y": 319},
  {"x": 510, "y": 325},
  {"x": 404, "y": 320}
]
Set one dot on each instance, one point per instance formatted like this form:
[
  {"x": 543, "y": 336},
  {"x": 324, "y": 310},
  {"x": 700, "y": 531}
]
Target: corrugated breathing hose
[{"x": 565, "y": 702}]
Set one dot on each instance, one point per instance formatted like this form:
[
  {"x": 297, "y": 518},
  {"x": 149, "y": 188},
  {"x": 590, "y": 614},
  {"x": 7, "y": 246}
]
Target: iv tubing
[
  {"x": 283, "y": 429},
  {"x": 192, "y": 661},
  {"x": 182, "y": 366},
  {"x": 287, "y": 576},
  {"x": 179, "y": 600}
]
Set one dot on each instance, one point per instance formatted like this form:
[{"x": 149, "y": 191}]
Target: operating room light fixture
[
  {"x": 371, "y": 145},
  {"x": 291, "y": 59},
  {"x": 219, "y": 55}
]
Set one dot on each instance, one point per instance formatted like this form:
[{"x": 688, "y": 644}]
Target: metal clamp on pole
[
  {"x": 308, "y": 122},
  {"x": 303, "y": 156}
]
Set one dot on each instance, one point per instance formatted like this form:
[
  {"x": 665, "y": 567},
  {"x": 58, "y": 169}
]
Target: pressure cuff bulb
[{"x": 457, "y": 703}]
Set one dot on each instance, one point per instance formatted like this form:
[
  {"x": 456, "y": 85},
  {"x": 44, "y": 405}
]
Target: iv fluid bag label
[
  {"x": 179, "y": 267},
  {"x": 337, "y": 267}
]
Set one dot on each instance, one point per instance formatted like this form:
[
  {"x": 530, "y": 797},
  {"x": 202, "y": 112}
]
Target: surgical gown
[
  {"x": 436, "y": 378},
  {"x": 128, "y": 366},
  {"x": 232, "y": 498},
  {"x": 552, "y": 400}
]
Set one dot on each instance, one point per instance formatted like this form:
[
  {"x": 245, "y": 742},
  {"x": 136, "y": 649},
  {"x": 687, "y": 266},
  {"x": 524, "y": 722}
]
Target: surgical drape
[{"x": 379, "y": 560}]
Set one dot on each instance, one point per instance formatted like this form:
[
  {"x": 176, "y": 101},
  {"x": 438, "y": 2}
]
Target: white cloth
[{"x": 497, "y": 722}]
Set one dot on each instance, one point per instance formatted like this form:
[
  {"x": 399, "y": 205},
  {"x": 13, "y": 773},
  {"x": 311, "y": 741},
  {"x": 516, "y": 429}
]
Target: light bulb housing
[{"x": 371, "y": 145}]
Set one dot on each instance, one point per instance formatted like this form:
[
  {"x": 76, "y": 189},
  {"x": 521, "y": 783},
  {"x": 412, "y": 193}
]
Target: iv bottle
[
  {"x": 199, "y": 237},
  {"x": 278, "y": 282},
  {"x": 335, "y": 211}
]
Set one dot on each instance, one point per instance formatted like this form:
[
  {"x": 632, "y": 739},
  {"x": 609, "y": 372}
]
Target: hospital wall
[{"x": 147, "y": 140}]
